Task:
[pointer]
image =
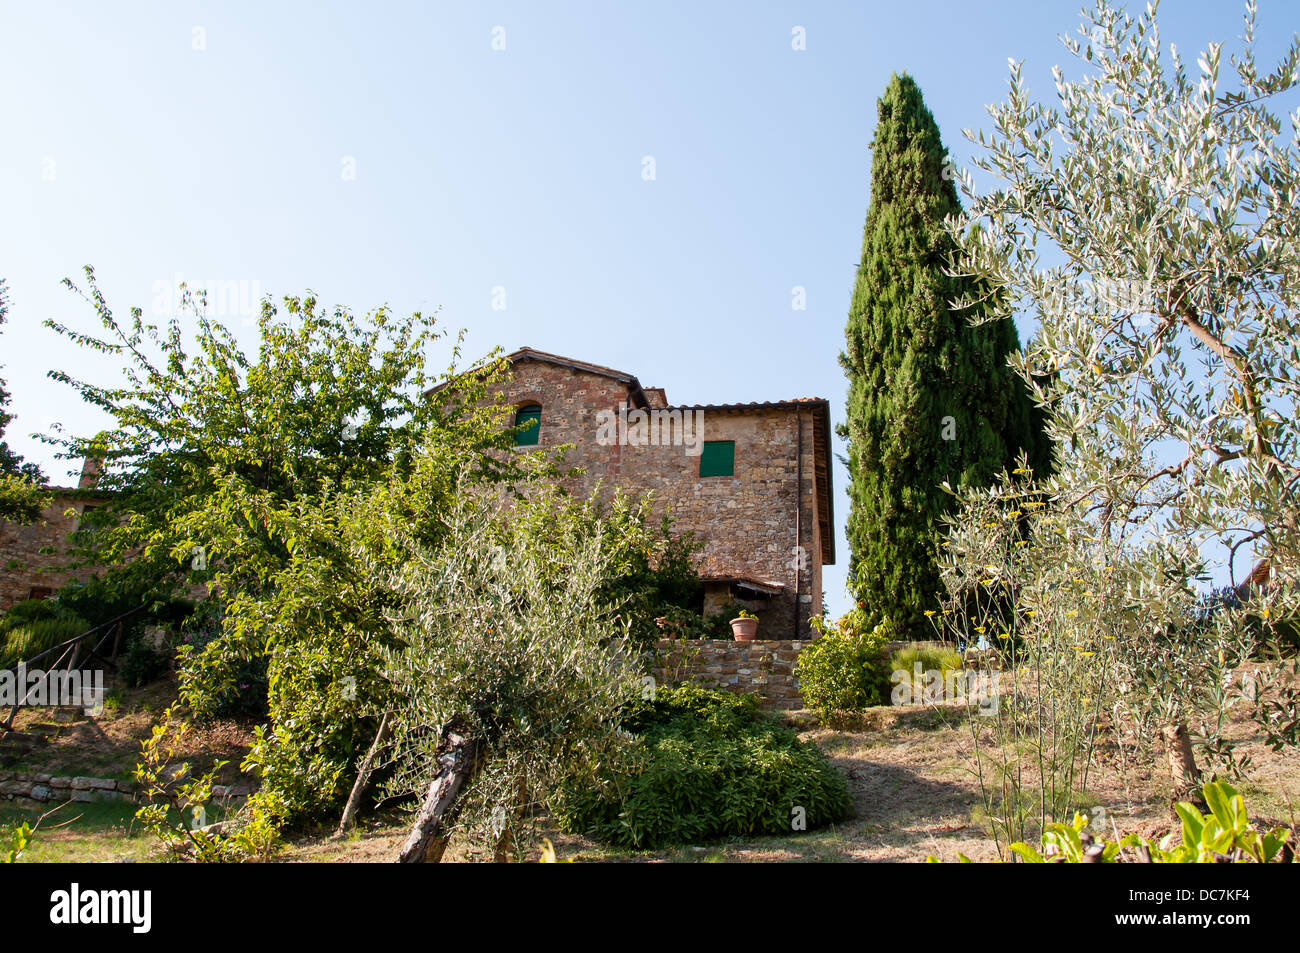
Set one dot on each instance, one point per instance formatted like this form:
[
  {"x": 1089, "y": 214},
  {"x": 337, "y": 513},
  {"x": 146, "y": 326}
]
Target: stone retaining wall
[
  {"x": 761, "y": 667},
  {"x": 32, "y": 790}
]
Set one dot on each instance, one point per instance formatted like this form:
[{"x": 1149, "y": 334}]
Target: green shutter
[
  {"x": 525, "y": 415},
  {"x": 718, "y": 458}
]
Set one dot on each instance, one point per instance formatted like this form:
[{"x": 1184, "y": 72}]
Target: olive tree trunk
[
  {"x": 1182, "y": 762},
  {"x": 457, "y": 763}
]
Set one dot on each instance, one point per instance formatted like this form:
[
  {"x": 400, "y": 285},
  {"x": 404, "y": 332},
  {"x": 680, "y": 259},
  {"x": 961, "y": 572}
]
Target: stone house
[{"x": 752, "y": 481}]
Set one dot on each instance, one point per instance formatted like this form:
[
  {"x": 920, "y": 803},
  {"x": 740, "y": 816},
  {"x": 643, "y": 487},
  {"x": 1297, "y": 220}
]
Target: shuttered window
[
  {"x": 531, "y": 416},
  {"x": 718, "y": 458}
]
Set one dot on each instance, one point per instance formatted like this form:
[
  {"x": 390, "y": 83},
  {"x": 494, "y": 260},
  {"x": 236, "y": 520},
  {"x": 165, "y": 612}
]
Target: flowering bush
[{"x": 1101, "y": 639}]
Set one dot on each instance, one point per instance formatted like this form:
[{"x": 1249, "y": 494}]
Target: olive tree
[
  {"x": 1148, "y": 220},
  {"x": 513, "y": 670},
  {"x": 1102, "y": 643}
]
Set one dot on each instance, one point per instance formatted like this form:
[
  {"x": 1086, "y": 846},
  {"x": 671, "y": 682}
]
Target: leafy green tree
[
  {"x": 21, "y": 495},
  {"x": 931, "y": 398},
  {"x": 283, "y": 481},
  {"x": 205, "y": 444}
]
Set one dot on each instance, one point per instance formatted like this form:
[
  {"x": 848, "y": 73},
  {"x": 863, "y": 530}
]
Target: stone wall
[
  {"x": 30, "y": 790},
  {"x": 32, "y": 554},
  {"x": 761, "y": 667}
]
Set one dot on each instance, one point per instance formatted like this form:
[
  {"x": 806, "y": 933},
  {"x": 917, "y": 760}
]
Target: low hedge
[{"x": 707, "y": 765}]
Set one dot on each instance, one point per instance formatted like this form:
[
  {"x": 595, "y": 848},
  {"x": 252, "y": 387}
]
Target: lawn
[{"x": 82, "y": 833}]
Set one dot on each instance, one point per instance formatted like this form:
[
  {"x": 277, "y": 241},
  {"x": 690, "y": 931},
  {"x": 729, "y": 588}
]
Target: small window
[
  {"x": 718, "y": 458},
  {"x": 532, "y": 418}
]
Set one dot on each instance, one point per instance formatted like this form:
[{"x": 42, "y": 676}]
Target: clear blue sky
[{"x": 124, "y": 146}]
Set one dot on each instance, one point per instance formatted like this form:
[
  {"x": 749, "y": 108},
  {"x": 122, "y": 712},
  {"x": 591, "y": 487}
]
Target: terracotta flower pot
[{"x": 744, "y": 629}]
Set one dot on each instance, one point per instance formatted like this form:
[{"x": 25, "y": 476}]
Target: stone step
[
  {"x": 66, "y": 714},
  {"x": 20, "y": 741},
  {"x": 45, "y": 729}
]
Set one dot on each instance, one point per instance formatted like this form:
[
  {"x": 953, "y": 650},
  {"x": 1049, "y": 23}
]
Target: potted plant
[{"x": 744, "y": 626}]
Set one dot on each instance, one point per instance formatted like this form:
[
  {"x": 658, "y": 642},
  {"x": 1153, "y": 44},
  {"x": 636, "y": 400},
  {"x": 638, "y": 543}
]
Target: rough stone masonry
[
  {"x": 762, "y": 667},
  {"x": 766, "y": 526}
]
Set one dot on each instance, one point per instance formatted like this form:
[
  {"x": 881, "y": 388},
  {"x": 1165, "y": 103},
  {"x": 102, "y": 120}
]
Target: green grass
[
  {"x": 930, "y": 657},
  {"x": 94, "y": 832},
  {"x": 89, "y": 833},
  {"x": 29, "y": 640}
]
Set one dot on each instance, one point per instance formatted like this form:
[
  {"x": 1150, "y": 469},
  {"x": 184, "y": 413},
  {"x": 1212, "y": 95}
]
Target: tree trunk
[
  {"x": 1182, "y": 763},
  {"x": 505, "y": 844},
  {"x": 457, "y": 762},
  {"x": 363, "y": 776}
]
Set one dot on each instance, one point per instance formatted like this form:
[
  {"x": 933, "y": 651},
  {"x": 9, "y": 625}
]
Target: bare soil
[{"x": 108, "y": 746}]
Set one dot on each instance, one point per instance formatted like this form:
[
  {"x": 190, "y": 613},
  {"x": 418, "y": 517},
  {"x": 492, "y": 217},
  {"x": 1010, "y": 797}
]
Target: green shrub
[
  {"x": 931, "y": 658},
  {"x": 34, "y": 610},
  {"x": 1225, "y": 835},
  {"x": 844, "y": 669},
  {"x": 140, "y": 664},
  {"x": 707, "y": 765},
  {"x": 113, "y": 699},
  {"x": 29, "y": 639}
]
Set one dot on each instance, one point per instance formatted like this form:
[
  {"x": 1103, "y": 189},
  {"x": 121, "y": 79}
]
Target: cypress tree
[{"x": 931, "y": 398}]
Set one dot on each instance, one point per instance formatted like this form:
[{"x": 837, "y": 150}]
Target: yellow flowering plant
[{"x": 1098, "y": 642}]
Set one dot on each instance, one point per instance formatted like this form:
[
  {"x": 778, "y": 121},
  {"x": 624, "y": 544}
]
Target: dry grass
[
  {"x": 916, "y": 792},
  {"x": 108, "y": 746}
]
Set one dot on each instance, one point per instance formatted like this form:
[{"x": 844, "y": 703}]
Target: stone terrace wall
[
  {"x": 762, "y": 667},
  {"x": 33, "y": 790}
]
